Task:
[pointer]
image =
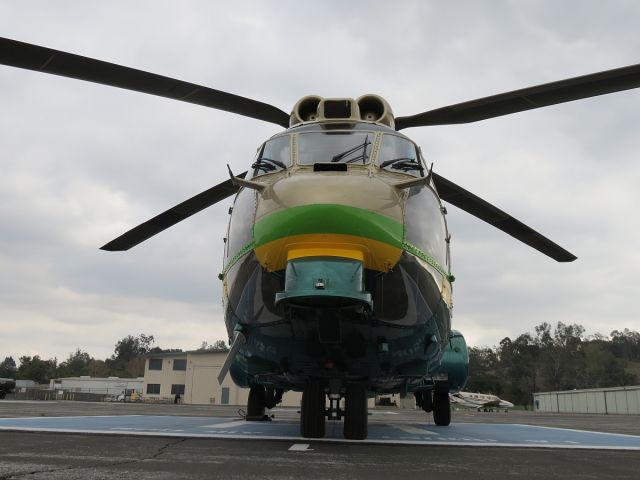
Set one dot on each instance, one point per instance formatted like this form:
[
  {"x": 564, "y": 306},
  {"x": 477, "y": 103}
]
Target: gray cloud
[{"x": 82, "y": 163}]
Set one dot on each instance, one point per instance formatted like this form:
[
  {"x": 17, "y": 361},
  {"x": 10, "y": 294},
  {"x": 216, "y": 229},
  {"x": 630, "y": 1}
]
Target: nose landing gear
[
  {"x": 436, "y": 401},
  {"x": 313, "y": 412}
]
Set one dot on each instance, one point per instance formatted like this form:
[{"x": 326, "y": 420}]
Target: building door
[{"x": 225, "y": 396}]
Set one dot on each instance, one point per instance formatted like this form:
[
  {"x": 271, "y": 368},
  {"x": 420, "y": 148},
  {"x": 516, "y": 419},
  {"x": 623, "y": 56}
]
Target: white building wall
[
  {"x": 546, "y": 402},
  {"x": 201, "y": 381},
  {"x": 109, "y": 386},
  {"x": 165, "y": 377},
  {"x": 620, "y": 400}
]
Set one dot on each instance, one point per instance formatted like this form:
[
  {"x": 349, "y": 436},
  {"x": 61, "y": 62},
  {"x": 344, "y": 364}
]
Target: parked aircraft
[{"x": 480, "y": 401}]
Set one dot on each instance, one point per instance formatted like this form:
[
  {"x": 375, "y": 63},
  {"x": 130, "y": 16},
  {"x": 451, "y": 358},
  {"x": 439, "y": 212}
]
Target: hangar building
[{"x": 619, "y": 400}]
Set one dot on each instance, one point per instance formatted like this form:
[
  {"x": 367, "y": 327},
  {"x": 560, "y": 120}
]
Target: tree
[
  {"x": 98, "y": 368},
  {"x": 8, "y": 368},
  {"x": 560, "y": 355},
  {"x": 36, "y": 369},
  {"x": 519, "y": 360},
  {"x": 215, "y": 346},
  {"x": 626, "y": 344},
  {"x": 602, "y": 368},
  {"x": 125, "y": 360},
  {"x": 130, "y": 347},
  {"x": 483, "y": 363},
  {"x": 75, "y": 365}
]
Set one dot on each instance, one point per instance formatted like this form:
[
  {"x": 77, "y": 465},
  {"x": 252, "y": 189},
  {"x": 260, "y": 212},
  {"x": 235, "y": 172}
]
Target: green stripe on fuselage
[{"x": 328, "y": 218}]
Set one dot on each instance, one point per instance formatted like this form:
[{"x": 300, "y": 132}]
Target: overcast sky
[{"x": 82, "y": 163}]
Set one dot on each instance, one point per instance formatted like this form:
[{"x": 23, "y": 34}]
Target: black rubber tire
[
  {"x": 255, "y": 405},
  {"x": 270, "y": 400},
  {"x": 312, "y": 415},
  {"x": 441, "y": 408},
  {"x": 427, "y": 401},
  {"x": 356, "y": 413}
]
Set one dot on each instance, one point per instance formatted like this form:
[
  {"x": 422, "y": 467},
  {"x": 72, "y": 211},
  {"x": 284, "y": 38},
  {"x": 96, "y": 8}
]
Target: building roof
[
  {"x": 588, "y": 390},
  {"x": 102, "y": 379},
  {"x": 183, "y": 354}
]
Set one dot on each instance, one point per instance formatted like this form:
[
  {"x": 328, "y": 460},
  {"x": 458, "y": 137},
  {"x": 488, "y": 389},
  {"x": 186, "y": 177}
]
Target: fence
[{"x": 25, "y": 393}]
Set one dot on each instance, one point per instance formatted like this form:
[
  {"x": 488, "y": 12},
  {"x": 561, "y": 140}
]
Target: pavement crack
[
  {"x": 24, "y": 474},
  {"x": 159, "y": 452},
  {"x": 165, "y": 447}
]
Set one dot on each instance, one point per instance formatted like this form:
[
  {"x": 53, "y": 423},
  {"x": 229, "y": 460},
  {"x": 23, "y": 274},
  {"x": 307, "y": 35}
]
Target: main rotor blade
[
  {"x": 176, "y": 214},
  {"x": 41, "y": 59},
  {"x": 476, "y": 206},
  {"x": 568, "y": 90}
]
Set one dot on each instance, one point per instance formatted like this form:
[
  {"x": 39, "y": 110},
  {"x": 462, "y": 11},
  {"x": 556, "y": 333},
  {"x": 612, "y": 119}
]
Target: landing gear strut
[
  {"x": 424, "y": 399},
  {"x": 261, "y": 398},
  {"x": 256, "y": 403}
]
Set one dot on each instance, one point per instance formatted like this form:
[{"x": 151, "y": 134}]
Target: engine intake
[
  {"x": 368, "y": 108},
  {"x": 375, "y": 109},
  {"x": 305, "y": 110}
]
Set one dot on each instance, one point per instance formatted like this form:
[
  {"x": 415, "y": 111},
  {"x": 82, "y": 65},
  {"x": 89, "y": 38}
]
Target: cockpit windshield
[
  {"x": 326, "y": 147},
  {"x": 400, "y": 155},
  {"x": 275, "y": 155}
]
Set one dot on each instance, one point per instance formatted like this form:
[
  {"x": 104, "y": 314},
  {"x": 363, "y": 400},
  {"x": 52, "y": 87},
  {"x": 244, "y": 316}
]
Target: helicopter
[{"x": 337, "y": 277}]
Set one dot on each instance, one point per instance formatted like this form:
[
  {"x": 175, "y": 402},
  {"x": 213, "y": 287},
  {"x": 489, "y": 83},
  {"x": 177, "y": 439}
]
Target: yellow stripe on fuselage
[{"x": 376, "y": 255}]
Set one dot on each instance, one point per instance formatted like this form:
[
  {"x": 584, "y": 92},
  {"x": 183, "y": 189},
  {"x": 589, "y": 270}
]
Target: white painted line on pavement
[
  {"x": 237, "y": 423},
  {"x": 300, "y": 447}
]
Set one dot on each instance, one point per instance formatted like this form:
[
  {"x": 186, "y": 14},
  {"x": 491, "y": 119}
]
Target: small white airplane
[{"x": 480, "y": 401}]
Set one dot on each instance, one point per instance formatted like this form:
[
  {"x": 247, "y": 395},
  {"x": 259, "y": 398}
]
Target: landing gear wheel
[
  {"x": 273, "y": 396},
  {"x": 355, "y": 413},
  {"x": 427, "y": 401},
  {"x": 255, "y": 405},
  {"x": 441, "y": 408},
  {"x": 312, "y": 411}
]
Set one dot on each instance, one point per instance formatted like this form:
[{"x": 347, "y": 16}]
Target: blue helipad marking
[{"x": 468, "y": 434}]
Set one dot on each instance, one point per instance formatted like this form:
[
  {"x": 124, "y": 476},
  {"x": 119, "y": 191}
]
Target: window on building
[
  {"x": 177, "y": 389},
  {"x": 155, "y": 364},
  {"x": 153, "y": 388},
  {"x": 180, "y": 364}
]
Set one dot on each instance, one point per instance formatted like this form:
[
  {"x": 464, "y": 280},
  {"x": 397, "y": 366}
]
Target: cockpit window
[
  {"x": 275, "y": 155},
  {"x": 397, "y": 154},
  {"x": 331, "y": 147}
]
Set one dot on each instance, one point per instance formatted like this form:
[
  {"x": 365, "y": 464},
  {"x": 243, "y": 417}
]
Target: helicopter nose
[{"x": 317, "y": 215}]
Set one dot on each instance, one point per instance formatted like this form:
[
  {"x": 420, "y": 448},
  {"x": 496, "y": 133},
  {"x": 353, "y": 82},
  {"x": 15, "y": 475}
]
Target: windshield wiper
[
  {"x": 403, "y": 163},
  {"x": 268, "y": 164},
  {"x": 363, "y": 157}
]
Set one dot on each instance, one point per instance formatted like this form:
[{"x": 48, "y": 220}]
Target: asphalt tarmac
[{"x": 37, "y": 455}]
